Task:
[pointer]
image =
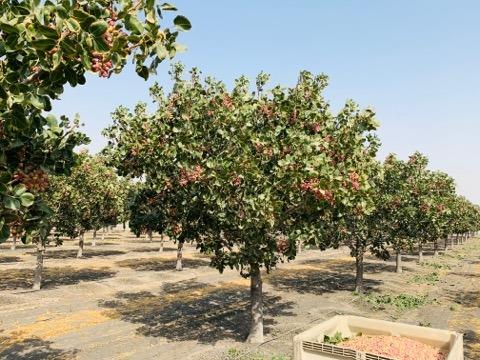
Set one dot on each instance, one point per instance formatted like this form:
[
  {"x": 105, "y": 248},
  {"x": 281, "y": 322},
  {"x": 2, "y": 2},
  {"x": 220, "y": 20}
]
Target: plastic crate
[{"x": 309, "y": 345}]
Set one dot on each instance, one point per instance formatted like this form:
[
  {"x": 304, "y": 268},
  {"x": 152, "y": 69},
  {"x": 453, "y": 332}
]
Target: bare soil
[{"x": 124, "y": 300}]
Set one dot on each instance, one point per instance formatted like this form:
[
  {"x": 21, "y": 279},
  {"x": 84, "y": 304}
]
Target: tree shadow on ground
[
  {"x": 12, "y": 279},
  {"x": 22, "y": 246},
  {"x": 471, "y": 275},
  {"x": 471, "y": 342},
  {"x": 160, "y": 264},
  {"x": 100, "y": 243},
  {"x": 311, "y": 281},
  {"x": 9, "y": 259},
  {"x": 370, "y": 266},
  {"x": 155, "y": 249},
  {"x": 189, "y": 310},
  {"x": 32, "y": 349},
  {"x": 87, "y": 253},
  {"x": 465, "y": 298}
]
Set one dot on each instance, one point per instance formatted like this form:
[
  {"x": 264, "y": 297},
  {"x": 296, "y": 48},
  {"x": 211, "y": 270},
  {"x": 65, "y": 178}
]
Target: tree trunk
[
  {"x": 456, "y": 239},
  {"x": 420, "y": 254},
  {"x": 299, "y": 247},
  {"x": 179, "y": 266},
  {"x": 37, "y": 279},
  {"x": 398, "y": 267},
  {"x": 94, "y": 240},
  {"x": 359, "y": 270},
  {"x": 103, "y": 234},
  {"x": 150, "y": 235},
  {"x": 435, "y": 248},
  {"x": 161, "y": 243},
  {"x": 80, "y": 246},
  {"x": 14, "y": 243},
  {"x": 124, "y": 225},
  {"x": 256, "y": 306}
]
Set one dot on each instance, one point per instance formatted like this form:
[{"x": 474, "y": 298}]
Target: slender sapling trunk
[
  {"x": 256, "y": 306},
  {"x": 150, "y": 235},
  {"x": 299, "y": 247},
  {"x": 14, "y": 242},
  {"x": 94, "y": 239},
  {"x": 37, "y": 279},
  {"x": 398, "y": 267},
  {"x": 161, "y": 243},
  {"x": 103, "y": 234},
  {"x": 435, "y": 248},
  {"x": 359, "y": 270},
  {"x": 80, "y": 246},
  {"x": 179, "y": 266},
  {"x": 420, "y": 254}
]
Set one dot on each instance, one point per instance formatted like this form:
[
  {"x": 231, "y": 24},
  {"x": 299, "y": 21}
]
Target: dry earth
[{"x": 124, "y": 300}]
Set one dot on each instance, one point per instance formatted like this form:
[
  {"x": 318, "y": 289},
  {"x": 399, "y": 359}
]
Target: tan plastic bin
[{"x": 309, "y": 344}]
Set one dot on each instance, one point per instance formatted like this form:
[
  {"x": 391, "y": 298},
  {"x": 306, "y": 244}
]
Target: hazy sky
[{"x": 416, "y": 63}]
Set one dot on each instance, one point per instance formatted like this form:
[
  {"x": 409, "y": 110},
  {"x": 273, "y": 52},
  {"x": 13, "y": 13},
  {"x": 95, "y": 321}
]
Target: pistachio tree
[
  {"x": 45, "y": 46},
  {"x": 395, "y": 206},
  {"x": 90, "y": 198},
  {"x": 359, "y": 227},
  {"x": 147, "y": 213},
  {"x": 435, "y": 196},
  {"x": 241, "y": 171}
]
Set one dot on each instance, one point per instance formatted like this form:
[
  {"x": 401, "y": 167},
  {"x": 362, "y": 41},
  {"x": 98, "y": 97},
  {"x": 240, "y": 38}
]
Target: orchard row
[{"x": 247, "y": 176}]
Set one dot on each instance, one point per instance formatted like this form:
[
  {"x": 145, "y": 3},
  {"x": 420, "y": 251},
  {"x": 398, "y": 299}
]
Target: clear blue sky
[{"x": 417, "y": 63}]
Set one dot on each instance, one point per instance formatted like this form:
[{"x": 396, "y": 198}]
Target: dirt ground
[{"x": 124, "y": 300}]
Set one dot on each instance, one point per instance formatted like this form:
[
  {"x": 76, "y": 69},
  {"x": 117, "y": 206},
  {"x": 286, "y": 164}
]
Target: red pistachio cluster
[
  {"x": 190, "y": 176},
  {"x": 354, "y": 180},
  {"x": 227, "y": 101},
  {"x": 35, "y": 181},
  {"x": 101, "y": 65},
  {"x": 282, "y": 244},
  {"x": 311, "y": 186}
]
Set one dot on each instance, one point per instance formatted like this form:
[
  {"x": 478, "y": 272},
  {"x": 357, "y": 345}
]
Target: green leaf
[
  {"x": 4, "y": 231},
  {"x": 57, "y": 59},
  {"x": 143, "y": 72},
  {"x": 85, "y": 58},
  {"x": 61, "y": 11},
  {"x": 182, "y": 23},
  {"x": 19, "y": 190},
  {"x": 168, "y": 7},
  {"x": 151, "y": 18},
  {"x": 27, "y": 199},
  {"x": 161, "y": 50},
  {"x": 11, "y": 203},
  {"x": 44, "y": 44},
  {"x": 68, "y": 46},
  {"x": 9, "y": 29},
  {"x": 80, "y": 14},
  {"x": 47, "y": 32},
  {"x": 51, "y": 121},
  {"x": 73, "y": 25},
  {"x": 98, "y": 28},
  {"x": 100, "y": 45},
  {"x": 133, "y": 24},
  {"x": 36, "y": 101}
]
